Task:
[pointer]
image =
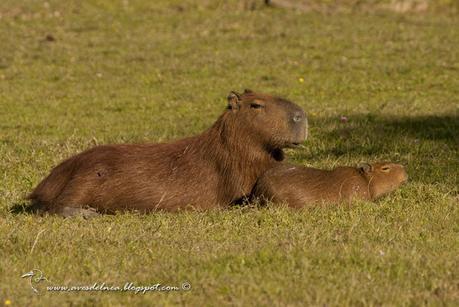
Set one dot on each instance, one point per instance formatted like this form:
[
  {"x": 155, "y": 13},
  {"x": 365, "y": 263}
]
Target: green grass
[{"x": 150, "y": 71}]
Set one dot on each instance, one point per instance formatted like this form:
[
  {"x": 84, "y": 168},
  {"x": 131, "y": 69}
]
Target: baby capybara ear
[
  {"x": 234, "y": 101},
  {"x": 365, "y": 168}
]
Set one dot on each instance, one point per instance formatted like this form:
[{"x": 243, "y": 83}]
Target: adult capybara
[
  {"x": 298, "y": 186},
  {"x": 212, "y": 169}
]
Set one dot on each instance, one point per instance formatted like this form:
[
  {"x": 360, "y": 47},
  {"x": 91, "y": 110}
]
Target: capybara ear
[
  {"x": 234, "y": 100},
  {"x": 247, "y": 91},
  {"x": 365, "y": 168}
]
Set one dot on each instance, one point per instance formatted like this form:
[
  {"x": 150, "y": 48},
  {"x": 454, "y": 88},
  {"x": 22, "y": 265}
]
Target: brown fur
[
  {"x": 209, "y": 170},
  {"x": 299, "y": 186}
]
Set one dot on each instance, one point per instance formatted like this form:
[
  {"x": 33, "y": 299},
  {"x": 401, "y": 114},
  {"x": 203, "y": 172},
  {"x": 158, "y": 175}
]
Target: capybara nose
[
  {"x": 300, "y": 122},
  {"x": 298, "y": 117}
]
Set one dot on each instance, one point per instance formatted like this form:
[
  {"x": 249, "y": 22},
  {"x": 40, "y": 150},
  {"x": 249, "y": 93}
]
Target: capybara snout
[
  {"x": 299, "y": 124},
  {"x": 384, "y": 177},
  {"x": 262, "y": 114}
]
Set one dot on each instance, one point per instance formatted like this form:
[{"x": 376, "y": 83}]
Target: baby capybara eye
[{"x": 255, "y": 105}]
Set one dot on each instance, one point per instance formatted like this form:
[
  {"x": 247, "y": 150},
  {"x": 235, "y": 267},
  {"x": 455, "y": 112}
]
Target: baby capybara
[
  {"x": 212, "y": 169},
  {"x": 298, "y": 186}
]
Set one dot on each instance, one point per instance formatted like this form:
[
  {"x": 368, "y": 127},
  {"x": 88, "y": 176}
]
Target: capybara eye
[
  {"x": 297, "y": 118},
  {"x": 254, "y": 105},
  {"x": 385, "y": 168}
]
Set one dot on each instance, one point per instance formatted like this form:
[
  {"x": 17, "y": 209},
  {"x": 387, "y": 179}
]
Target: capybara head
[
  {"x": 276, "y": 121},
  {"x": 383, "y": 177}
]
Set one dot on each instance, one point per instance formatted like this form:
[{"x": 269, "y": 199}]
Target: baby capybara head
[
  {"x": 383, "y": 177},
  {"x": 276, "y": 121}
]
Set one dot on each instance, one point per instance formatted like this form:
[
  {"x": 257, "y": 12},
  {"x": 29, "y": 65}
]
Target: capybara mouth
[{"x": 293, "y": 145}]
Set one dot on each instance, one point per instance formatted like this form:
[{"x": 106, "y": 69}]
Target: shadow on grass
[
  {"x": 23, "y": 208},
  {"x": 372, "y": 134},
  {"x": 426, "y": 144},
  {"x": 437, "y": 128}
]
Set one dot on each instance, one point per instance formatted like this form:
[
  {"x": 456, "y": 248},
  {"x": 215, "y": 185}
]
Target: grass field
[{"x": 76, "y": 74}]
